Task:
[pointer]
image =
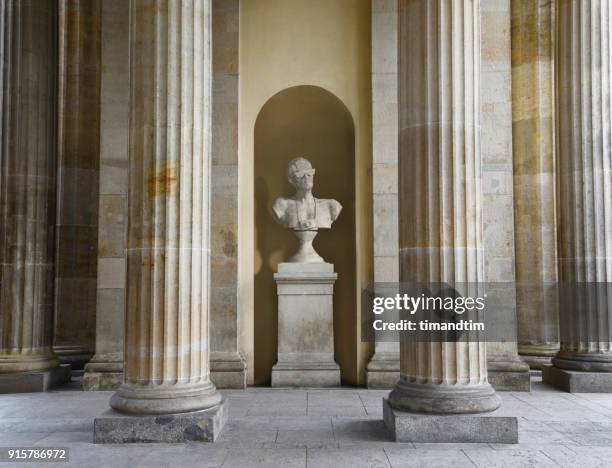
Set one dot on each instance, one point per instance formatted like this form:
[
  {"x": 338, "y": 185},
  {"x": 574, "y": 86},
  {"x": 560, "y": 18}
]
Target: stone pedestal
[
  {"x": 577, "y": 381},
  {"x": 383, "y": 369},
  {"x": 35, "y": 381},
  {"x": 305, "y": 326},
  {"x": 411, "y": 427},
  {"x": 227, "y": 370},
  {"x": 203, "y": 426},
  {"x": 509, "y": 375},
  {"x": 104, "y": 372}
]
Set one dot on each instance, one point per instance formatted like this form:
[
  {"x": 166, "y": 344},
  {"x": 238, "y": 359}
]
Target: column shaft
[
  {"x": 440, "y": 198},
  {"x": 584, "y": 119},
  {"x": 27, "y": 183},
  {"x": 167, "y": 348},
  {"x": 78, "y": 160},
  {"x": 534, "y": 178}
]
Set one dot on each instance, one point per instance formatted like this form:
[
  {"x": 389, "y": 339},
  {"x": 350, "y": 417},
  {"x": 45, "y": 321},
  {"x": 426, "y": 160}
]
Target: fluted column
[
  {"x": 534, "y": 179},
  {"x": 78, "y": 161},
  {"x": 167, "y": 346},
  {"x": 440, "y": 195},
  {"x": 27, "y": 183},
  {"x": 584, "y": 119}
]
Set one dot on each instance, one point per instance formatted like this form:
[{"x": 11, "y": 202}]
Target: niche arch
[{"x": 312, "y": 122}]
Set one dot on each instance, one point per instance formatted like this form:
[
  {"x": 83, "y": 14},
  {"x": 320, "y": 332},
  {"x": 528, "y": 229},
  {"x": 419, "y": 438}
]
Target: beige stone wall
[
  {"x": 227, "y": 366},
  {"x": 534, "y": 177},
  {"x": 113, "y": 177},
  {"x": 383, "y": 369},
  {"x": 286, "y": 43},
  {"x": 496, "y": 147}
]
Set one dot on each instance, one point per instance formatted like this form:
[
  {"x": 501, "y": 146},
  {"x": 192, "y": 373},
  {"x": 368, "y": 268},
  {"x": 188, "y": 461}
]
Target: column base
[
  {"x": 117, "y": 428},
  {"x": 35, "y": 381},
  {"x": 165, "y": 399},
  {"x": 411, "y": 427},
  {"x": 76, "y": 356},
  {"x": 536, "y": 362},
  {"x": 510, "y": 376},
  {"x": 538, "y": 356},
  {"x": 306, "y": 374},
  {"x": 103, "y": 372},
  {"x": 577, "y": 381},
  {"x": 444, "y": 399},
  {"x": 228, "y": 370},
  {"x": 383, "y": 371}
]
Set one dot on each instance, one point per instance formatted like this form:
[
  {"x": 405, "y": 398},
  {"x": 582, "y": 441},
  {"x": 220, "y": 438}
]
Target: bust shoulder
[{"x": 281, "y": 211}]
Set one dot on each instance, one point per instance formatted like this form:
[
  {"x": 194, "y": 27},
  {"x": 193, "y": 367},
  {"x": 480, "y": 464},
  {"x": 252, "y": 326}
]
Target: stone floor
[{"x": 316, "y": 428}]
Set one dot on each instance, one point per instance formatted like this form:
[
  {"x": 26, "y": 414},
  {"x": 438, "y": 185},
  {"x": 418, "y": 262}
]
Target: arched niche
[{"x": 311, "y": 122}]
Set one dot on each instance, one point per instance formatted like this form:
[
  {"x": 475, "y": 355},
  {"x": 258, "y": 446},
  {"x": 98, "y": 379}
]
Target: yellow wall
[{"x": 285, "y": 43}]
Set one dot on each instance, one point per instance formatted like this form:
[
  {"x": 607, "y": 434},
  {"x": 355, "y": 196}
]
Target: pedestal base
[
  {"x": 95, "y": 381},
  {"x": 306, "y": 375},
  {"x": 228, "y": 370},
  {"x": 305, "y": 326},
  {"x": 577, "y": 381},
  {"x": 509, "y": 375},
  {"x": 35, "y": 381},
  {"x": 473, "y": 428},
  {"x": 383, "y": 372},
  {"x": 536, "y": 362},
  {"x": 117, "y": 428},
  {"x": 104, "y": 372}
]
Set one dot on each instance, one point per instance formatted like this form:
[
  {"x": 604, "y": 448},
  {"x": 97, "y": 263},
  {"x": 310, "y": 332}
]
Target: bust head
[{"x": 300, "y": 173}]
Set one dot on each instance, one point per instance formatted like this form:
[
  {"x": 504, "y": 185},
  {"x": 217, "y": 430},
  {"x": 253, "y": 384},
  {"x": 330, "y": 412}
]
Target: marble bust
[{"x": 303, "y": 213}]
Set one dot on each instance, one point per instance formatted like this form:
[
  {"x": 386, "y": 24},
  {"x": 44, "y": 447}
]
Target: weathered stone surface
[
  {"x": 95, "y": 381},
  {"x": 577, "y": 381},
  {"x": 117, "y": 428},
  {"x": 167, "y": 355},
  {"x": 510, "y": 381},
  {"x": 103, "y": 372},
  {"x": 583, "y": 207},
  {"x": 305, "y": 374},
  {"x": 412, "y": 427},
  {"x": 510, "y": 375},
  {"x": 78, "y": 166},
  {"x": 445, "y": 377},
  {"x": 305, "y": 326},
  {"x": 534, "y": 178},
  {"x": 35, "y": 381},
  {"x": 28, "y": 173},
  {"x": 383, "y": 370},
  {"x": 227, "y": 370}
]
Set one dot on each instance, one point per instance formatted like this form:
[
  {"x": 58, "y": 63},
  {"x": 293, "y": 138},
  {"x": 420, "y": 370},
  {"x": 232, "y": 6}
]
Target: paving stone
[
  {"x": 509, "y": 458},
  {"x": 266, "y": 458},
  {"x": 347, "y": 458},
  {"x": 409, "y": 457}
]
